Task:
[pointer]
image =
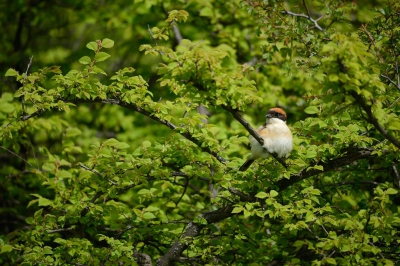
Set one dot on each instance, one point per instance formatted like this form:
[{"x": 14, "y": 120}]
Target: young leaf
[
  {"x": 11, "y": 72},
  {"x": 107, "y": 43},
  {"x": 261, "y": 195},
  {"x": 311, "y": 110},
  {"x": 101, "y": 56},
  {"x": 85, "y": 60},
  {"x": 92, "y": 46},
  {"x": 273, "y": 193}
]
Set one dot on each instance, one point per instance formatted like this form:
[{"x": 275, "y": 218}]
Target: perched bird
[{"x": 277, "y": 137}]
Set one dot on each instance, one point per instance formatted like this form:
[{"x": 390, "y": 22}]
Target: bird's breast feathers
[{"x": 277, "y": 139}]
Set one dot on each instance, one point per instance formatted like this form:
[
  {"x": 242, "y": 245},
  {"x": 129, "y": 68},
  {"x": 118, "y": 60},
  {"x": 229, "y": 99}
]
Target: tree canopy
[{"x": 123, "y": 125}]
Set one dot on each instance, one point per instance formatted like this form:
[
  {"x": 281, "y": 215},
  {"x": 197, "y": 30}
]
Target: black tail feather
[{"x": 246, "y": 165}]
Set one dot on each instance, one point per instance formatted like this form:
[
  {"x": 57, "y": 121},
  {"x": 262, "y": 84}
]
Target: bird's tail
[{"x": 246, "y": 165}]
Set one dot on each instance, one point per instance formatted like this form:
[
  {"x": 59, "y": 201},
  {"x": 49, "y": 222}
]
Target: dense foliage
[{"x": 123, "y": 126}]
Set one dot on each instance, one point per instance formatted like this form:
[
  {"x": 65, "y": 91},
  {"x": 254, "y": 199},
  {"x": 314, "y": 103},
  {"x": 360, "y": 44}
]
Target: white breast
[{"x": 277, "y": 139}]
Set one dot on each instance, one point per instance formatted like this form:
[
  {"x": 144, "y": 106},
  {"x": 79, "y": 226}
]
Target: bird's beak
[{"x": 268, "y": 116}]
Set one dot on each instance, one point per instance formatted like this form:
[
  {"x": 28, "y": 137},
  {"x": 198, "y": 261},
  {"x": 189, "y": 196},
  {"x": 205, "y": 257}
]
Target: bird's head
[{"x": 276, "y": 114}]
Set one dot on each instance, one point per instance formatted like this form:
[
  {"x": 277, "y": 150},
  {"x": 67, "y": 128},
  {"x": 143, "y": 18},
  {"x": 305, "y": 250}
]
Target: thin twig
[
  {"x": 120, "y": 233},
  {"x": 184, "y": 191},
  {"x": 60, "y": 230},
  {"x": 354, "y": 182},
  {"x": 25, "y": 78},
  {"x": 305, "y": 6},
  {"x": 323, "y": 227},
  {"x": 309, "y": 230},
  {"x": 372, "y": 244},
  {"x": 86, "y": 209},
  {"x": 27, "y": 69},
  {"x": 177, "y": 33},
  {"x": 13, "y": 153},
  {"x": 96, "y": 173},
  {"x": 241, "y": 195},
  {"x": 154, "y": 39},
  {"x": 396, "y": 172},
  {"x": 287, "y": 12},
  {"x": 26, "y": 117},
  {"x": 391, "y": 81}
]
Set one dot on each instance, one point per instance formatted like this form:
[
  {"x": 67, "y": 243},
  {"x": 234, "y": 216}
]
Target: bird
[{"x": 277, "y": 137}]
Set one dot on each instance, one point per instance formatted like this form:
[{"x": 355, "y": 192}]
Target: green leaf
[
  {"x": 72, "y": 132},
  {"x": 311, "y": 110},
  {"x": 261, "y": 195},
  {"x": 8, "y": 97},
  {"x": 237, "y": 209},
  {"x": 310, "y": 155},
  {"x": 333, "y": 78},
  {"x": 149, "y": 215},
  {"x": 122, "y": 145},
  {"x": 64, "y": 174},
  {"x": 6, "y": 248},
  {"x": 395, "y": 125},
  {"x": 146, "y": 144},
  {"x": 152, "y": 209},
  {"x": 315, "y": 191},
  {"x": 331, "y": 261},
  {"x": 6, "y": 107},
  {"x": 44, "y": 202},
  {"x": 92, "y": 46},
  {"x": 60, "y": 241},
  {"x": 273, "y": 193},
  {"x": 85, "y": 60},
  {"x": 101, "y": 56},
  {"x": 318, "y": 167},
  {"x": 206, "y": 12},
  {"x": 143, "y": 191},
  {"x": 11, "y": 72},
  {"x": 111, "y": 142},
  {"x": 107, "y": 43},
  {"x": 391, "y": 191},
  {"x": 99, "y": 70}
]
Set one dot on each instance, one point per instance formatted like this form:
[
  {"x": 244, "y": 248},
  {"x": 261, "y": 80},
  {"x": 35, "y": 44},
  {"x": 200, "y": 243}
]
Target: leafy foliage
[{"x": 127, "y": 152}]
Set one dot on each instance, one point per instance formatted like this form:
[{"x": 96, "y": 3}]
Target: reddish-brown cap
[{"x": 277, "y": 113}]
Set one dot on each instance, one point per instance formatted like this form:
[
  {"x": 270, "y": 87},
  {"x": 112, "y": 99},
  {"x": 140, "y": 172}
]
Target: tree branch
[
  {"x": 26, "y": 117},
  {"x": 184, "y": 190},
  {"x": 142, "y": 259},
  {"x": 373, "y": 120},
  {"x": 86, "y": 209},
  {"x": 391, "y": 81},
  {"x": 138, "y": 109},
  {"x": 193, "y": 229},
  {"x": 243, "y": 196},
  {"x": 330, "y": 165}
]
